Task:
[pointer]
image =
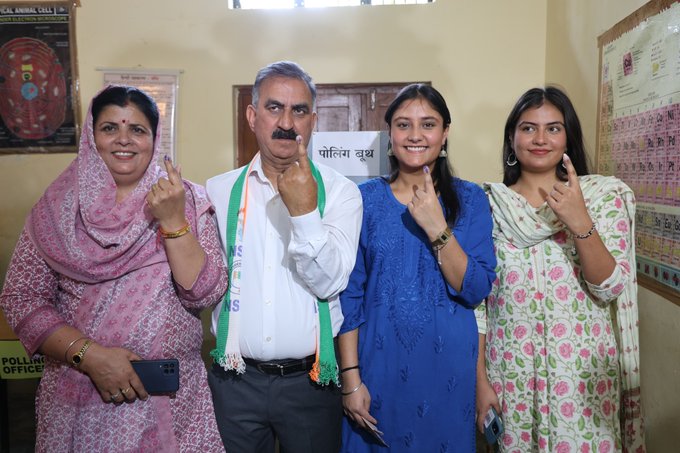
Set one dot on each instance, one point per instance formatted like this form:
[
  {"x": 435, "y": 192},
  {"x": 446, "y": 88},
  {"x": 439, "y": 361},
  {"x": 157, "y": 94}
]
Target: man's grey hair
[{"x": 287, "y": 69}]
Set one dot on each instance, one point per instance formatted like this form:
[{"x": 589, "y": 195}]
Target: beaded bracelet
[
  {"x": 355, "y": 367},
  {"x": 353, "y": 390},
  {"x": 174, "y": 234},
  {"x": 588, "y": 234}
]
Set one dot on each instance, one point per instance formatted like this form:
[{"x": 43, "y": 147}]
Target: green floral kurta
[{"x": 551, "y": 351}]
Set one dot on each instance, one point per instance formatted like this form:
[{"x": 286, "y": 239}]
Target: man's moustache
[{"x": 289, "y": 134}]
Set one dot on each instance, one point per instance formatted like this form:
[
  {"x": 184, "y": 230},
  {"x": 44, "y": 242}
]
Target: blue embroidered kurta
[{"x": 417, "y": 335}]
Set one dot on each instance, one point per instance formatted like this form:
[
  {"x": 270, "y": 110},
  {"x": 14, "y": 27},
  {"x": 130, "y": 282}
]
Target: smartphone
[
  {"x": 493, "y": 426},
  {"x": 375, "y": 432},
  {"x": 159, "y": 377}
]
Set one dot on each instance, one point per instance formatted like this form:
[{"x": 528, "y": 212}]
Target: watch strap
[
  {"x": 442, "y": 238},
  {"x": 77, "y": 358}
]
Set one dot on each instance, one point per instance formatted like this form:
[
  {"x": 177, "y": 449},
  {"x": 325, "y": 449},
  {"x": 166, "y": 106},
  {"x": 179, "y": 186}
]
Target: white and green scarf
[{"x": 227, "y": 353}]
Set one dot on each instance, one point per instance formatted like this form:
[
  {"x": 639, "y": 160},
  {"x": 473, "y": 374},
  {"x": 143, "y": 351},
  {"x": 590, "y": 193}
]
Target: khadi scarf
[{"x": 227, "y": 352}]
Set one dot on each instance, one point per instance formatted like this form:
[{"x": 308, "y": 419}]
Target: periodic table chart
[{"x": 639, "y": 135}]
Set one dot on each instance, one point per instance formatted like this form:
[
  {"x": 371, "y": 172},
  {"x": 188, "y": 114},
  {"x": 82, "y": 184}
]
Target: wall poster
[
  {"x": 162, "y": 86},
  {"x": 639, "y": 133},
  {"x": 39, "y": 97}
]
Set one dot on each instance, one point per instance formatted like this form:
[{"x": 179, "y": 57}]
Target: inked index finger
[
  {"x": 429, "y": 185},
  {"x": 571, "y": 171},
  {"x": 173, "y": 174},
  {"x": 303, "y": 159}
]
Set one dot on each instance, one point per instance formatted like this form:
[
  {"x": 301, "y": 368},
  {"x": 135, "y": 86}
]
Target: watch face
[{"x": 76, "y": 359}]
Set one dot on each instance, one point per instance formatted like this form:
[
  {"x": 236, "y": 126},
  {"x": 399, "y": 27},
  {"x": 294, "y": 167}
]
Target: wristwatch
[
  {"x": 442, "y": 238},
  {"x": 77, "y": 358}
]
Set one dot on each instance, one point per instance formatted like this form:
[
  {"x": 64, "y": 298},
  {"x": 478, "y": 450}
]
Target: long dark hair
[
  {"x": 535, "y": 98},
  {"x": 121, "y": 96},
  {"x": 442, "y": 174}
]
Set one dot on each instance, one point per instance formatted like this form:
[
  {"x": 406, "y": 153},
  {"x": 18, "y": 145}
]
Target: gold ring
[{"x": 126, "y": 390}]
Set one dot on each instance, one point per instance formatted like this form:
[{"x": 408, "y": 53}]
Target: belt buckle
[{"x": 264, "y": 367}]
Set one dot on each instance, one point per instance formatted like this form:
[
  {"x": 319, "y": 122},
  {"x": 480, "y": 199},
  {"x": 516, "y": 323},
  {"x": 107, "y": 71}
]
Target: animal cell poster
[
  {"x": 639, "y": 133},
  {"x": 39, "y": 103}
]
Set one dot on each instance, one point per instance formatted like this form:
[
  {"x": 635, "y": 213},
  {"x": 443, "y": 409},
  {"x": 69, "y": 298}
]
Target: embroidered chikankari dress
[
  {"x": 417, "y": 335},
  {"x": 551, "y": 352}
]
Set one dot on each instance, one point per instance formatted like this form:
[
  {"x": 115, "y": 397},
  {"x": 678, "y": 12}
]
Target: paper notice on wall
[
  {"x": 163, "y": 87},
  {"x": 356, "y": 154}
]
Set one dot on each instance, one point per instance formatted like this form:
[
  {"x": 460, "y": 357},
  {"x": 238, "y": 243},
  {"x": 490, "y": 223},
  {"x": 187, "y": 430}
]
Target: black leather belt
[{"x": 282, "y": 367}]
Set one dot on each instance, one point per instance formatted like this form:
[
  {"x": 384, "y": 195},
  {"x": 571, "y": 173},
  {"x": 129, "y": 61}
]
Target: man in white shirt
[{"x": 290, "y": 229}]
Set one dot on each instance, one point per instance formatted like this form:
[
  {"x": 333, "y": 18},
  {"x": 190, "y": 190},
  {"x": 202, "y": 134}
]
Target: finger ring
[
  {"x": 126, "y": 390},
  {"x": 113, "y": 397}
]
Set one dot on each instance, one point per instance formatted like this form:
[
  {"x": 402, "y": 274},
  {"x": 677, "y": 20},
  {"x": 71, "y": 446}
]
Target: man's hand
[{"x": 297, "y": 185}]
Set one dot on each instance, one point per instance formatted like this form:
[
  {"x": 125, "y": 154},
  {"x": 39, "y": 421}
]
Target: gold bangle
[
  {"x": 174, "y": 234},
  {"x": 70, "y": 345}
]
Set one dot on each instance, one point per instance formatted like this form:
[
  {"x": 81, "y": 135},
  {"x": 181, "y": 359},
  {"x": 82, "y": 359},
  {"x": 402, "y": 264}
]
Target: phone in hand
[
  {"x": 375, "y": 432},
  {"x": 493, "y": 426},
  {"x": 159, "y": 376}
]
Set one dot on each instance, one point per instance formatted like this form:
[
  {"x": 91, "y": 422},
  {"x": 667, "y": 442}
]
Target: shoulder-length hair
[
  {"x": 442, "y": 174},
  {"x": 535, "y": 98}
]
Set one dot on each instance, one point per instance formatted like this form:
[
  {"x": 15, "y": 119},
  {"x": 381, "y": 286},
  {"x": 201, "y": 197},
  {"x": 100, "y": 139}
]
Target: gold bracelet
[
  {"x": 77, "y": 358},
  {"x": 70, "y": 345},
  {"x": 174, "y": 234}
]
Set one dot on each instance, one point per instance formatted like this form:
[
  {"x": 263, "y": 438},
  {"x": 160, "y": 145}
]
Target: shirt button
[
  {"x": 268, "y": 339},
  {"x": 268, "y": 302}
]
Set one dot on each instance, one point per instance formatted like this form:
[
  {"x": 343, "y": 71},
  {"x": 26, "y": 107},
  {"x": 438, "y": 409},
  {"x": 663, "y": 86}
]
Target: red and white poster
[{"x": 39, "y": 107}]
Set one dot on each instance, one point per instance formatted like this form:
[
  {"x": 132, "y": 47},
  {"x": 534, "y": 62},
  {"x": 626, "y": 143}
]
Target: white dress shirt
[{"x": 289, "y": 261}]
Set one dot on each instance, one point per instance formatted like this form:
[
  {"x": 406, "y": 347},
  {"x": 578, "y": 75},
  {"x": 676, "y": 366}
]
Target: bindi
[{"x": 124, "y": 121}]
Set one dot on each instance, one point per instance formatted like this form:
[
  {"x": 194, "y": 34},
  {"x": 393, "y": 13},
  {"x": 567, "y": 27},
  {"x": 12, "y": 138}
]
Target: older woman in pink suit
[{"x": 114, "y": 264}]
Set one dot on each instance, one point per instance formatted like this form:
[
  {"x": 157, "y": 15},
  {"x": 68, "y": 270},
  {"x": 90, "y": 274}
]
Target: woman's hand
[
  {"x": 486, "y": 397},
  {"x": 567, "y": 202},
  {"x": 166, "y": 199},
  {"x": 425, "y": 207},
  {"x": 111, "y": 372},
  {"x": 357, "y": 403}
]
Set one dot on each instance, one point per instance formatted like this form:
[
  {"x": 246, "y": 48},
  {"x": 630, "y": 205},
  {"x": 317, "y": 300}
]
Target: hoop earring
[
  {"x": 443, "y": 152},
  {"x": 513, "y": 162},
  {"x": 390, "y": 153}
]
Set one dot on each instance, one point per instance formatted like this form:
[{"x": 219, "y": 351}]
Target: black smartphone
[
  {"x": 375, "y": 432},
  {"x": 493, "y": 426},
  {"x": 159, "y": 376}
]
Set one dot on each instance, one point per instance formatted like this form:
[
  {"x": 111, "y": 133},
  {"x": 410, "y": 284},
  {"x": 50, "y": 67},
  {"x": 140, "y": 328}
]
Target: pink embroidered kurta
[
  {"x": 86, "y": 261},
  {"x": 551, "y": 351}
]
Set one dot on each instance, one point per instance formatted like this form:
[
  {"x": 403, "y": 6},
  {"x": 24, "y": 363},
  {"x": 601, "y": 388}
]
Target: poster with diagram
[
  {"x": 639, "y": 133},
  {"x": 39, "y": 100}
]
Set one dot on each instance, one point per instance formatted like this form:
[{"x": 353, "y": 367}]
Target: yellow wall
[
  {"x": 479, "y": 54},
  {"x": 482, "y": 55}
]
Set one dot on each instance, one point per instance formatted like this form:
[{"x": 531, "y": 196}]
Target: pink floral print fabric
[{"x": 565, "y": 384}]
